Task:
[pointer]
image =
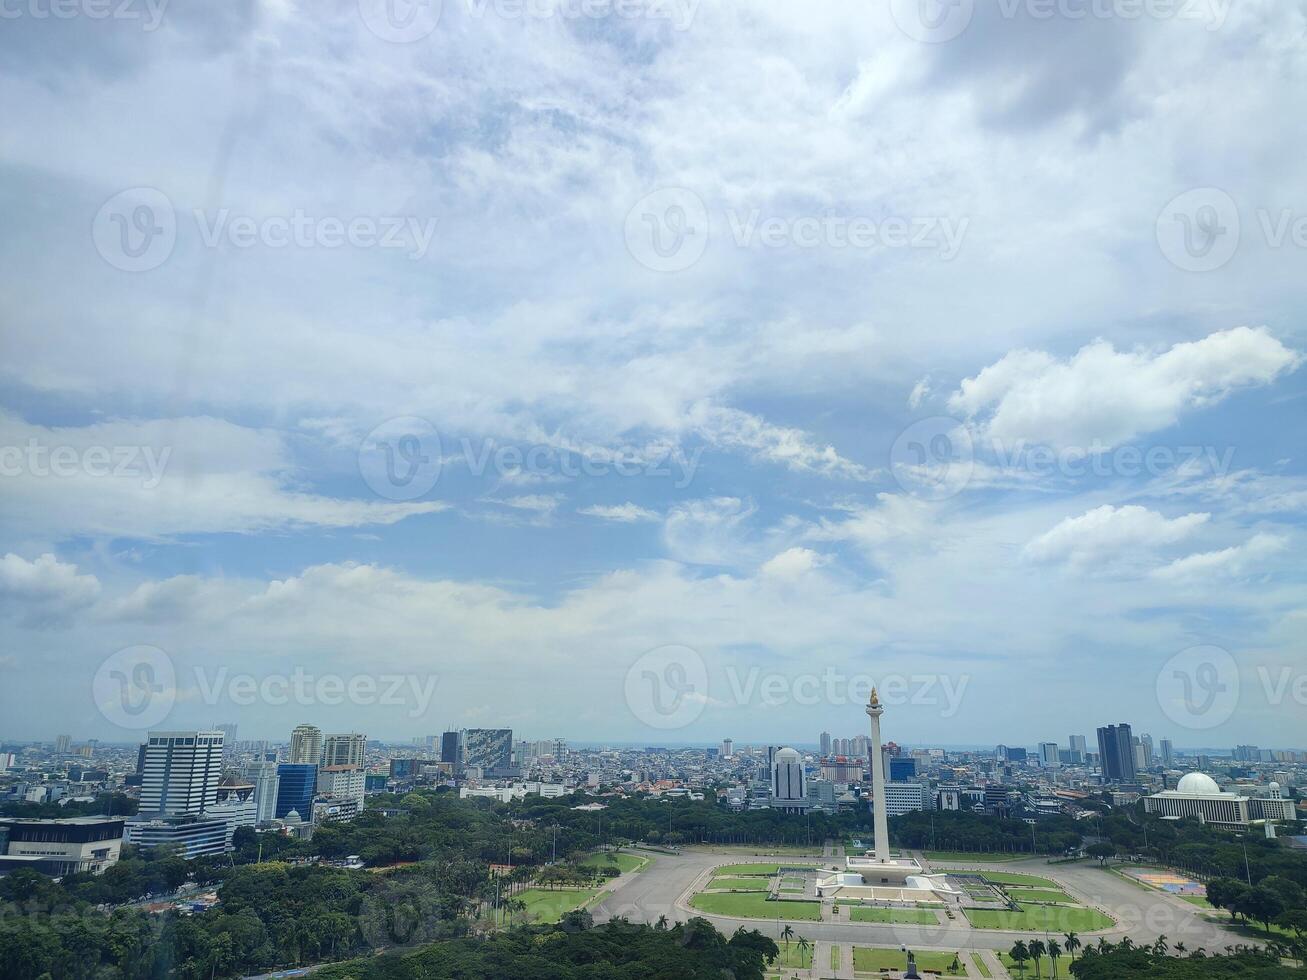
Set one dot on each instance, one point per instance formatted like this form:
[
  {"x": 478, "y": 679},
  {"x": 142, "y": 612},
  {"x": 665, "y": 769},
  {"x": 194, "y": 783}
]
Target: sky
[{"x": 655, "y": 371}]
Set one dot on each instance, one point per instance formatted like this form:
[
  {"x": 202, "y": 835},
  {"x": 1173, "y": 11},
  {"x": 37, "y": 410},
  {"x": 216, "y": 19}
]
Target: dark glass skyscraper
[
  {"x": 295, "y": 789},
  {"x": 1116, "y": 753}
]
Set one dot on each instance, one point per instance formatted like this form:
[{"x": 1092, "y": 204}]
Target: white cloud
[
  {"x": 1233, "y": 561},
  {"x": 44, "y": 590},
  {"x": 162, "y": 478},
  {"x": 627, "y": 513},
  {"x": 1111, "y": 537},
  {"x": 1105, "y": 396},
  {"x": 792, "y": 563}
]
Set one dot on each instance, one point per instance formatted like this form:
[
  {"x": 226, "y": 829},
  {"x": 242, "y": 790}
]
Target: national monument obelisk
[{"x": 881, "y": 819}]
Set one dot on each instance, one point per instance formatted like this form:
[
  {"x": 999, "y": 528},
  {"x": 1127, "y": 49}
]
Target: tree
[
  {"x": 804, "y": 946},
  {"x": 1072, "y": 944},
  {"x": 1054, "y": 951},
  {"x": 787, "y": 934},
  {"x": 1103, "y": 850},
  {"x": 1020, "y": 953},
  {"x": 1037, "y": 950}
]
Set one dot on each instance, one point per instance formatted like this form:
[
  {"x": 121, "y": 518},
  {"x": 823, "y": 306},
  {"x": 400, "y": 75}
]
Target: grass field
[
  {"x": 729, "y": 870},
  {"x": 548, "y": 905},
  {"x": 981, "y": 966},
  {"x": 1041, "y": 895},
  {"x": 897, "y": 917},
  {"x": 868, "y": 960},
  {"x": 793, "y": 958},
  {"x": 623, "y": 862},
  {"x": 1040, "y": 918},
  {"x": 727, "y": 883},
  {"x": 1063, "y": 964},
  {"x": 984, "y": 857},
  {"x": 1009, "y": 878},
  {"x": 754, "y": 905}
]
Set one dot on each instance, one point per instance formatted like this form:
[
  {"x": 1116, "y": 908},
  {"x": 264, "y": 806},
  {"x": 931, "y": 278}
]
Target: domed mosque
[{"x": 1198, "y": 795}]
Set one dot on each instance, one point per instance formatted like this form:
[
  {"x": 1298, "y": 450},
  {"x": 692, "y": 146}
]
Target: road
[{"x": 665, "y": 887}]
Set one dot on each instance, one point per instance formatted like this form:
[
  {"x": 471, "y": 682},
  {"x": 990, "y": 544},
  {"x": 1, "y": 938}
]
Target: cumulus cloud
[
  {"x": 1227, "y": 562},
  {"x": 44, "y": 591},
  {"x": 792, "y": 563},
  {"x": 1110, "y": 537},
  {"x": 1102, "y": 396}
]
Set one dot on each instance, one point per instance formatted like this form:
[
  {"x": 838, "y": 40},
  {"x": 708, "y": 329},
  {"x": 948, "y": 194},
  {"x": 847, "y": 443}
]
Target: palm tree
[
  {"x": 1180, "y": 948},
  {"x": 1020, "y": 954},
  {"x": 1054, "y": 951},
  {"x": 1161, "y": 946},
  {"x": 1037, "y": 950},
  {"x": 661, "y": 924},
  {"x": 804, "y": 946},
  {"x": 787, "y": 934},
  {"x": 1072, "y": 944}
]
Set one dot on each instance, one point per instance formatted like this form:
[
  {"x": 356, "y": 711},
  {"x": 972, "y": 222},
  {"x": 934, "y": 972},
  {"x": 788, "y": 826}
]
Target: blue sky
[{"x": 812, "y": 342}]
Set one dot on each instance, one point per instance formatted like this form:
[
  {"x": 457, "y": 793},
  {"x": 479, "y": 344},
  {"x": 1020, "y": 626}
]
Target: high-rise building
[
  {"x": 728, "y": 748},
  {"x": 342, "y": 782},
  {"x": 903, "y": 769},
  {"x": 1146, "y": 744},
  {"x": 1079, "y": 749},
  {"x": 344, "y": 750},
  {"x": 1168, "y": 752},
  {"x": 1048, "y": 757},
  {"x": 305, "y": 746},
  {"x": 263, "y": 775},
  {"x": 63, "y": 744},
  {"x": 825, "y": 744},
  {"x": 180, "y": 772},
  {"x": 789, "y": 788},
  {"x": 296, "y": 782},
  {"x": 228, "y": 737},
  {"x": 1116, "y": 754},
  {"x": 451, "y": 750},
  {"x": 490, "y": 750}
]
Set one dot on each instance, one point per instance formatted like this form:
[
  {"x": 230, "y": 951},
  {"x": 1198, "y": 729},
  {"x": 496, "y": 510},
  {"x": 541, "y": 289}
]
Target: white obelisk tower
[{"x": 874, "y": 711}]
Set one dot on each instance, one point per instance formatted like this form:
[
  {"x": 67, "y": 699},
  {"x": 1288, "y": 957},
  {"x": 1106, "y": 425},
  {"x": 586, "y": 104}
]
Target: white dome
[
  {"x": 787, "y": 756},
  {"x": 1198, "y": 784}
]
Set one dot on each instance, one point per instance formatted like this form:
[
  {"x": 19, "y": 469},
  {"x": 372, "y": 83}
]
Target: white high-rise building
[
  {"x": 344, "y": 750},
  {"x": 266, "y": 783},
  {"x": 342, "y": 782},
  {"x": 789, "y": 787},
  {"x": 1048, "y": 757},
  {"x": 306, "y": 745},
  {"x": 180, "y": 772},
  {"x": 728, "y": 748}
]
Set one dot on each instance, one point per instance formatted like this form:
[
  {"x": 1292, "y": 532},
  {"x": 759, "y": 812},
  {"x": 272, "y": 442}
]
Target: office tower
[
  {"x": 180, "y": 772},
  {"x": 343, "y": 782},
  {"x": 490, "y": 750},
  {"x": 789, "y": 787},
  {"x": 1168, "y": 752},
  {"x": 862, "y": 748},
  {"x": 63, "y": 743},
  {"x": 902, "y": 770},
  {"x": 728, "y": 748},
  {"x": 305, "y": 746},
  {"x": 296, "y": 783},
  {"x": 264, "y": 776},
  {"x": 1146, "y": 743},
  {"x": 1048, "y": 757},
  {"x": 1079, "y": 749},
  {"x": 1000, "y": 753},
  {"x": 560, "y": 749},
  {"x": 1116, "y": 754},
  {"x": 228, "y": 737},
  {"x": 344, "y": 750},
  {"x": 451, "y": 749},
  {"x": 825, "y": 744}
]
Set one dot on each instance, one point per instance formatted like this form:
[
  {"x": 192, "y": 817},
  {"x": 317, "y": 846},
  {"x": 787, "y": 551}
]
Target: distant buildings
[
  {"x": 1079, "y": 750},
  {"x": 490, "y": 750}
]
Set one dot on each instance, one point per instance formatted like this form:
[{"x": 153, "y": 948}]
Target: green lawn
[
  {"x": 868, "y": 960},
  {"x": 765, "y": 870},
  {"x": 740, "y": 884},
  {"x": 623, "y": 862},
  {"x": 898, "y": 917},
  {"x": 1041, "y": 895},
  {"x": 753, "y": 905},
  {"x": 1040, "y": 918},
  {"x": 1198, "y": 900},
  {"x": 965, "y": 856},
  {"x": 981, "y": 966},
  {"x": 793, "y": 958},
  {"x": 1009, "y": 878},
  {"x": 1063, "y": 965},
  {"x": 834, "y": 958},
  {"x": 548, "y": 905}
]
